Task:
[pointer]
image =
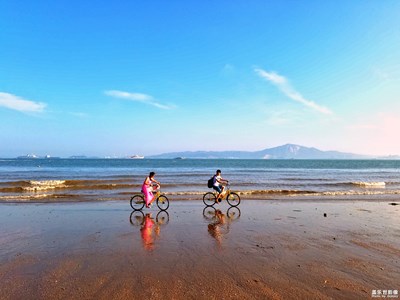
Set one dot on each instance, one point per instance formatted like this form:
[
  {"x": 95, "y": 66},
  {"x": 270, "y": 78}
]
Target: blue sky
[{"x": 130, "y": 77}]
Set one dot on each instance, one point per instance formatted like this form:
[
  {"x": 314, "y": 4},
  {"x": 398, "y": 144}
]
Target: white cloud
[
  {"x": 284, "y": 86},
  {"x": 130, "y": 96},
  {"x": 16, "y": 103},
  {"x": 137, "y": 97}
]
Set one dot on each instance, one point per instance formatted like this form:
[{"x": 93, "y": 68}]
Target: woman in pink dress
[{"x": 149, "y": 185}]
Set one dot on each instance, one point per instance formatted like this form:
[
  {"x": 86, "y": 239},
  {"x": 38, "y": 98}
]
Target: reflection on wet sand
[
  {"x": 91, "y": 251},
  {"x": 149, "y": 227},
  {"x": 220, "y": 222}
]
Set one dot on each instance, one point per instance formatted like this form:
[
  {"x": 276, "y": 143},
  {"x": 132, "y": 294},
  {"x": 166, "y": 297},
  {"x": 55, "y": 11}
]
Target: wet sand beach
[{"x": 263, "y": 250}]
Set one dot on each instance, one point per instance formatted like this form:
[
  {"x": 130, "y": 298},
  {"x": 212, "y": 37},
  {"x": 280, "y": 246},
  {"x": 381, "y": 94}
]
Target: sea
[{"x": 36, "y": 180}]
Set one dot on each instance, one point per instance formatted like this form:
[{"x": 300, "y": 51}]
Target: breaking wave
[
  {"x": 358, "y": 193},
  {"x": 380, "y": 184},
  {"x": 34, "y": 186},
  {"x": 46, "y": 185}
]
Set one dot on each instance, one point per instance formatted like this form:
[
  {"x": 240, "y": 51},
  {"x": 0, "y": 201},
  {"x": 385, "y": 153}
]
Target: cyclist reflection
[
  {"x": 220, "y": 222},
  {"x": 214, "y": 228},
  {"x": 149, "y": 228},
  {"x": 146, "y": 232}
]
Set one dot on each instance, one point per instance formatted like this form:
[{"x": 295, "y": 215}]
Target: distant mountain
[
  {"x": 291, "y": 151},
  {"x": 288, "y": 151}
]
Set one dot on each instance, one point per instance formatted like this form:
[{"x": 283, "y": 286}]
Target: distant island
[{"x": 288, "y": 151}]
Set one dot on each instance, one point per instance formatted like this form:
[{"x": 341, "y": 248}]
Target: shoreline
[
  {"x": 265, "y": 250},
  {"x": 184, "y": 198}
]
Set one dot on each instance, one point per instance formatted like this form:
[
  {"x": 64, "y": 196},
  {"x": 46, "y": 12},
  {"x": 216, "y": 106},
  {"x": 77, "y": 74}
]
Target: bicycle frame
[{"x": 227, "y": 191}]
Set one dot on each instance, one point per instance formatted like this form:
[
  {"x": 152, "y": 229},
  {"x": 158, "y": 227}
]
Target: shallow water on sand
[
  {"x": 59, "y": 227},
  {"x": 262, "y": 249}
]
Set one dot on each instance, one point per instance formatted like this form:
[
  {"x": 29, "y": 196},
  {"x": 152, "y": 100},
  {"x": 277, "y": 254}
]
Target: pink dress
[{"x": 147, "y": 191}]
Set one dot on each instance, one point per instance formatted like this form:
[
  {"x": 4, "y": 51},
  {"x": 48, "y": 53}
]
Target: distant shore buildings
[{"x": 34, "y": 156}]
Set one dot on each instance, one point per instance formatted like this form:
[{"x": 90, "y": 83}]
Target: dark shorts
[{"x": 218, "y": 188}]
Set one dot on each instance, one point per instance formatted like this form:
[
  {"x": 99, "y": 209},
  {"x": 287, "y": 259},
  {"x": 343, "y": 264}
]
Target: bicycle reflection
[
  {"x": 149, "y": 227},
  {"x": 219, "y": 222}
]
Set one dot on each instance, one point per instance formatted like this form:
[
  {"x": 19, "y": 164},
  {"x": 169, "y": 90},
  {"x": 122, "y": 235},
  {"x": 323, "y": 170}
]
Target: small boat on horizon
[
  {"x": 28, "y": 156},
  {"x": 136, "y": 156}
]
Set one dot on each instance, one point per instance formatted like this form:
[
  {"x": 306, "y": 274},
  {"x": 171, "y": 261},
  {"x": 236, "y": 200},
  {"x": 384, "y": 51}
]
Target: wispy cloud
[
  {"x": 284, "y": 86},
  {"x": 138, "y": 97},
  {"x": 11, "y": 101}
]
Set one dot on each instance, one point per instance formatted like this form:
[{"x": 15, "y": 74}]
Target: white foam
[
  {"x": 44, "y": 185},
  {"x": 20, "y": 197},
  {"x": 379, "y": 184},
  {"x": 355, "y": 193}
]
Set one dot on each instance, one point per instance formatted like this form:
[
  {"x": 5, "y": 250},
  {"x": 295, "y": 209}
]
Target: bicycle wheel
[
  {"x": 209, "y": 199},
  {"x": 162, "y": 202},
  {"x": 209, "y": 213},
  {"x": 162, "y": 217},
  {"x": 137, "y": 202},
  {"x": 136, "y": 218},
  {"x": 233, "y": 213},
  {"x": 233, "y": 199}
]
